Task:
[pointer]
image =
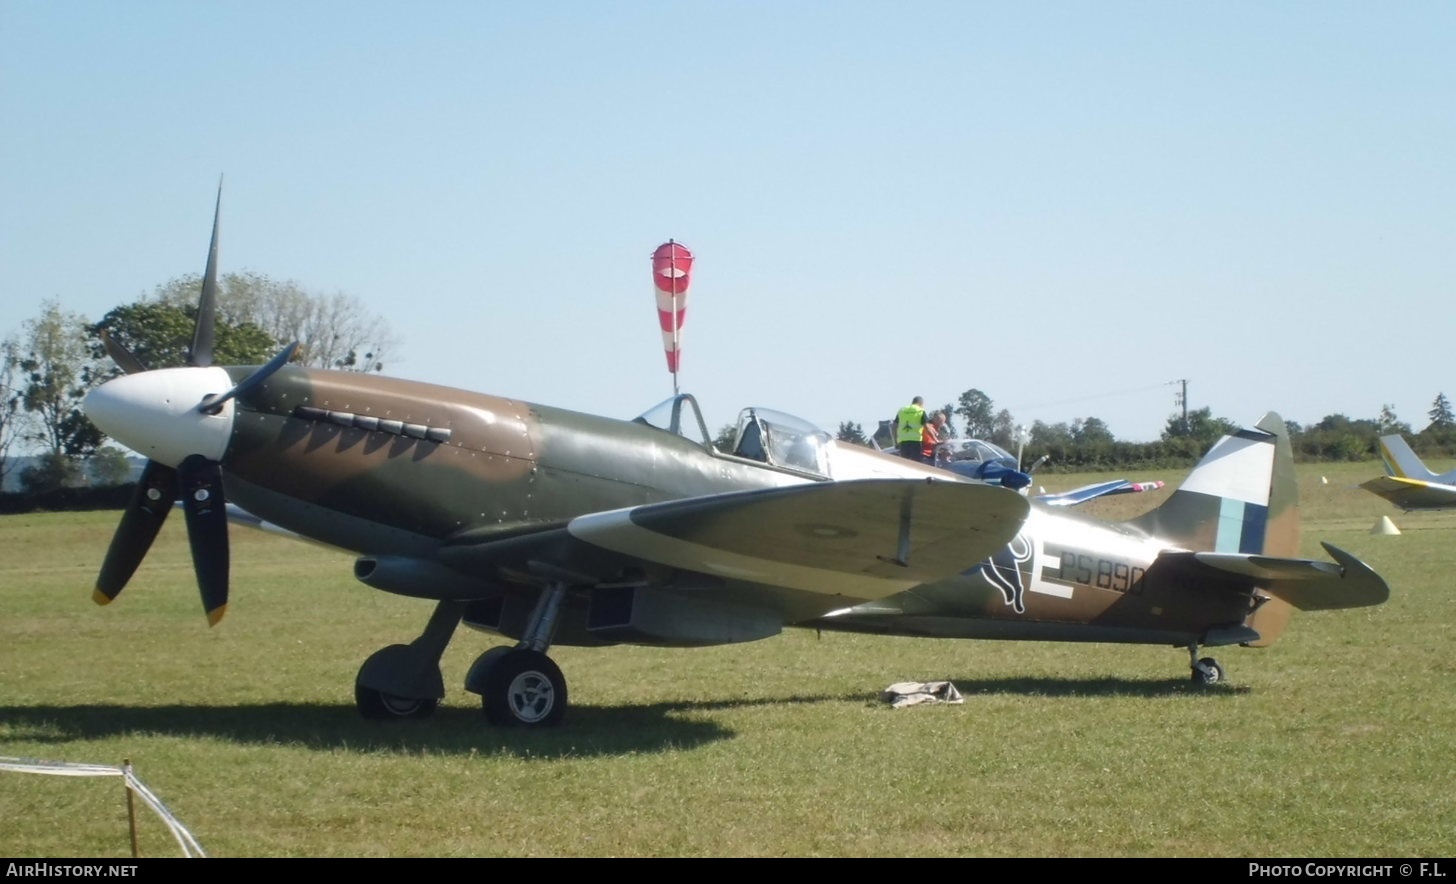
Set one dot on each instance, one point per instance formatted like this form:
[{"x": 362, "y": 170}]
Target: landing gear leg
[
  {"x": 1205, "y": 670},
  {"x": 521, "y": 686},
  {"x": 403, "y": 681}
]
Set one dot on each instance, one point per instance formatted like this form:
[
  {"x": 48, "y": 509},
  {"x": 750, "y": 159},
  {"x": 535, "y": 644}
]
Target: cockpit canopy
[
  {"x": 679, "y": 416},
  {"x": 981, "y": 451},
  {"x": 781, "y": 440},
  {"x": 767, "y": 436}
]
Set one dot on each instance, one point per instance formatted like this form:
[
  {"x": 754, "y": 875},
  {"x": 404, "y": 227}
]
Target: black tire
[
  {"x": 379, "y": 706},
  {"x": 1207, "y": 671},
  {"x": 524, "y": 689}
]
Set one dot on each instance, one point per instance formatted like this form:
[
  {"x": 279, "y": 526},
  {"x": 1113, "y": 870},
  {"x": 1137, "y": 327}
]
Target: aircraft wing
[
  {"x": 1412, "y": 494},
  {"x": 1306, "y": 584},
  {"x": 863, "y": 539},
  {"x": 1095, "y": 490}
]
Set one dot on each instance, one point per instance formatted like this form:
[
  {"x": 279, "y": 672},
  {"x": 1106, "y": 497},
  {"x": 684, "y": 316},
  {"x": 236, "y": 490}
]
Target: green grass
[{"x": 1337, "y": 741}]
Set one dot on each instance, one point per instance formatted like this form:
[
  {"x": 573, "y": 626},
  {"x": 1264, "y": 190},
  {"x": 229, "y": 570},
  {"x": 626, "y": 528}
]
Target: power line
[{"x": 1107, "y": 395}]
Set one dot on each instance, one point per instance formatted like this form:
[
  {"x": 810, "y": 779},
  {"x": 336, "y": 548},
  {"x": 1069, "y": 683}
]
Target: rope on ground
[{"x": 189, "y": 845}]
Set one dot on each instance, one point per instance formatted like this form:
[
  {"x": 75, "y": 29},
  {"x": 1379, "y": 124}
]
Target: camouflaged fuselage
[{"x": 379, "y": 465}]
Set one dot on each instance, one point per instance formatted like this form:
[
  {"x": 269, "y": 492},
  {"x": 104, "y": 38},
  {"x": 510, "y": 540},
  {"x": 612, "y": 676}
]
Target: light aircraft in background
[
  {"x": 554, "y": 527},
  {"x": 1408, "y": 482},
  {"x": 988, "y": 462}
]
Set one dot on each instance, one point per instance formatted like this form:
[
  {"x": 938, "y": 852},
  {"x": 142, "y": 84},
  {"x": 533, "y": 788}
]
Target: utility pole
[{"x": 1182, "y": 400}]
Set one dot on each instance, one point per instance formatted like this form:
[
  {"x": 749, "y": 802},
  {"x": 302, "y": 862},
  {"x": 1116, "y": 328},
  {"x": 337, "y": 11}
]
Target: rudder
[
  {"x": 1242, "y": 497},
  {"x": 1402, "y": 462}
]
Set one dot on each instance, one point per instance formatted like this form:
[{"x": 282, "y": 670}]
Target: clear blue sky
[{"x": 1066, "y": 205}]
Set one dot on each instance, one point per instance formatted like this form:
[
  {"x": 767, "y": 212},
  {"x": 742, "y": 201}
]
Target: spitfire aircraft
[
  {"x": 1408, "y": 482},
  {"x": 549, "y": 526}
]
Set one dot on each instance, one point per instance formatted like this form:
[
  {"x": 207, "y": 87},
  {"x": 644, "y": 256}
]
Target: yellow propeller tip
[
  {"x": 215, "y": 615},
  {"x": 100, "y": 597}
]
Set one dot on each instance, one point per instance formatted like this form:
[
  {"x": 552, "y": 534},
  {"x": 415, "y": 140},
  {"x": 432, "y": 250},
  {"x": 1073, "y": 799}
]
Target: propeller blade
[
  {"x": 280, "y": 359},
  {"x": 140, "y": 522},
  {"x": 123, "y": 357},
  {"x": 202, "y": 335},
  {"x": 206, "y": 511}
]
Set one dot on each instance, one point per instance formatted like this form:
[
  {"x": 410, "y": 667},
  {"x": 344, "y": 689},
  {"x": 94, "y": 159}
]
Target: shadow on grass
[
  {"x": 588, "y": 730},
  {"x": 1094, "y": 687}
]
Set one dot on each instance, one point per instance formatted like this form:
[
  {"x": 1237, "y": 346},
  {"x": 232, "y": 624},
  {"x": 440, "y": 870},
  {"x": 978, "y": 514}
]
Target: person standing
[
  {"x": 931, "y": 438},
  {"x": 910, "y": 428}
]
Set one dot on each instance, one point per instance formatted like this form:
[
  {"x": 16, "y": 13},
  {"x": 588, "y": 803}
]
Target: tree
[
  {"x": 48, "y": 472},
  {"x": 108, "y": 466},
  {"x": 976, "y": 410},
  {"x": 1387, "y": 424},
  {"x": 11, "y": 403},
  {"x": 1337, "y": 437},
  {"x": 1201, "y": 426},
  {"x": 1053, "y": 440},
  {"x": 55, "y": 367},
  {"x": 849, "y": 431},
  {"x": 1091, "y": 431},
  {"x": 1003, "y": 429},
  {"x": 160, "y": 336},
  {"x": 1440, "y": 413},
  {"x": 333, "y": 331}
]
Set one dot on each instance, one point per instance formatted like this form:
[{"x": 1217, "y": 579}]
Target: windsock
[{"x": 672, "y": 266}]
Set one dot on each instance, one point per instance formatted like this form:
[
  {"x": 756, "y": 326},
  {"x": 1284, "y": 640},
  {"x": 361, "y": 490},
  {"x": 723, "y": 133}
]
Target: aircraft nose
[{"x": 155, "y": 414}]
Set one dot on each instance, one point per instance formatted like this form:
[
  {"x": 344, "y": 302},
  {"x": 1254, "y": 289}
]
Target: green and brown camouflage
[{"x": 550, "y": 526}]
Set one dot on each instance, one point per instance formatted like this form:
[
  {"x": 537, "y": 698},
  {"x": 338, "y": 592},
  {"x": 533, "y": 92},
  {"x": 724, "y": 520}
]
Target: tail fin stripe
[
  {"x": 1256, "y": 520},
  {"x": 1240, "y": 527}
]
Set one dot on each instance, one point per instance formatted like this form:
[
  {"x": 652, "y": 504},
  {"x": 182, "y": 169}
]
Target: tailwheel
[
  {"x": 378, "y": 705},
  {"x": 1207, "y": 671},
  {"x": 519, "y": 688}
]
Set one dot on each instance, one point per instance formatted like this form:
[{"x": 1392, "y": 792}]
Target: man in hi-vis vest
[{"x": 909, "y": 427}]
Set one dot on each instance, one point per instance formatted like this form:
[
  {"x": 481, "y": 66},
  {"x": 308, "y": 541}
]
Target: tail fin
[
  {"x": 1242, "y": 497},
  {"x": 1402, "y": 462}
]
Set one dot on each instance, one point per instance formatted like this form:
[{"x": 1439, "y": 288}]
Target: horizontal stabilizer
[
  {"x": 1095, "y": 490},
  {"x": 1308, "y": 585},
  {"x": 1412, "y": 494}
]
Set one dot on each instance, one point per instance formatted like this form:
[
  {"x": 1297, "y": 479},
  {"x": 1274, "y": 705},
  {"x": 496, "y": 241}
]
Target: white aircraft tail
[
  {"x": 1404, "y": 463},
  {"x": 1241, "y": 497}
]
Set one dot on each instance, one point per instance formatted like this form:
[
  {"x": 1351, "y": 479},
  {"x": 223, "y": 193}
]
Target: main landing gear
[
  {"x": 403, "y": 681},
  {"x": 519, "y": 686},
  {"x": 1205, "y": 670}
]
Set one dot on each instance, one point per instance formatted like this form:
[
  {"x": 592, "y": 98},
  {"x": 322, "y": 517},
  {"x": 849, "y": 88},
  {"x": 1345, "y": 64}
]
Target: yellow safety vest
[{"x": 909, "y": 423}]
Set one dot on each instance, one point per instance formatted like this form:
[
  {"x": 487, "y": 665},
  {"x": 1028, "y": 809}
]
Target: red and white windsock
[{"x": 672, "y": 269}]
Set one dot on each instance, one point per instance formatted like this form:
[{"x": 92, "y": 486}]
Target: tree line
[
  {"x": 1086, "y": 444},
  {"x": 58, "y": 356}
]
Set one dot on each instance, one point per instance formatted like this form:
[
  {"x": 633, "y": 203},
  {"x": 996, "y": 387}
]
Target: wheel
[
  {"x": 1207, "y": 671},
  {"x": 377, "y": 705},
  {"x": 523, "y": 689}
]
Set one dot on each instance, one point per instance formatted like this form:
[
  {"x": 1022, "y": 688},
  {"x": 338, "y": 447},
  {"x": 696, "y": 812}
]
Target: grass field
[{"x": 1338, "y": 741}]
